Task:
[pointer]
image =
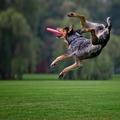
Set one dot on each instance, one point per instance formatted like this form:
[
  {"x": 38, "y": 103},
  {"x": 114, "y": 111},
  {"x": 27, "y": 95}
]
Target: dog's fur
[{"x": 98, "y": 32}]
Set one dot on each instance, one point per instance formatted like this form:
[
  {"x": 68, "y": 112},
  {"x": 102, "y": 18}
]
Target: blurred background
[{"x": 26, "y": 47}]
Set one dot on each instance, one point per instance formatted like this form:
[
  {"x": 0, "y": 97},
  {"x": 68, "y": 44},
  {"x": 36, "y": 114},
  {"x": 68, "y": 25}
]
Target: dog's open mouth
[{"x": 59, "y": 35}]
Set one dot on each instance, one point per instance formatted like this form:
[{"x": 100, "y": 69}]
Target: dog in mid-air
[{"x": 79, "y": 47}]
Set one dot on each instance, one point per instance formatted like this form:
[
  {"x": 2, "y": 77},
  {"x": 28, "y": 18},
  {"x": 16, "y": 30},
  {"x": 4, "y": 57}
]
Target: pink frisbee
[{"x": 54, "y": 31}]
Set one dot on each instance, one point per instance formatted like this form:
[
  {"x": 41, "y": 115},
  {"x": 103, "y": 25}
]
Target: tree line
[{"x": 26, "y": 47}]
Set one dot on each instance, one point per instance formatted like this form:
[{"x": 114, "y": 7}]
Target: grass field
[{"x": 59, "y": 100}]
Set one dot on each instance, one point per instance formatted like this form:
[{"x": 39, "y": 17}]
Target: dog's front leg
[
  {"x": 69, "y": 68},
  {"x": 59, "y": 58}
]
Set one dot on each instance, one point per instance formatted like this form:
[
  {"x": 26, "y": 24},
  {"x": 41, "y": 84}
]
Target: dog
[{"x": 78, "y": 46}]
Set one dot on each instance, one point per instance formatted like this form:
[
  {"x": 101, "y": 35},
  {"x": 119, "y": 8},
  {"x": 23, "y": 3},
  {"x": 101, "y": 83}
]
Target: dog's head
[{"x": 66, "y": 31}]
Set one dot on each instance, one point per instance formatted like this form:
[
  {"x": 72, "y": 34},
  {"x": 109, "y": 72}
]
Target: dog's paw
[
  {"x": 71, "y": 14},
  {"x": 61, "y": 75},
  {"x": 52, "y": 65}
]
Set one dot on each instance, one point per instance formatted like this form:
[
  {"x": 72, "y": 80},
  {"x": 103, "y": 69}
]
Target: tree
[{"x": 15, "y": 44}]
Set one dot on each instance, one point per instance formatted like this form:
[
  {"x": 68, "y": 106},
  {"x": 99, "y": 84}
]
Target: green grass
[{"x": 59, "y": 100}]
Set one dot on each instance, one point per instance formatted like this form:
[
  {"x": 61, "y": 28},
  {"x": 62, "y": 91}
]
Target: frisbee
[{"x": 54, "y": 31}]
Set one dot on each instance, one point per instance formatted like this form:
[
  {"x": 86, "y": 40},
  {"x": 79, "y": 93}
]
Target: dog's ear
[
  {"x": 66, "y": 29},
  {"x": 70, "y": 29}
]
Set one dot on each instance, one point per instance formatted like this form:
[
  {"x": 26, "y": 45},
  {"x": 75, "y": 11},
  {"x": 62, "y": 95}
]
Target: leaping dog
[{"x": 79, "y": 47}]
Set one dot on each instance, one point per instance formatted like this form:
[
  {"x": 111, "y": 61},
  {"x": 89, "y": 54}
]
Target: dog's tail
[{"x": 108, "y": 23}]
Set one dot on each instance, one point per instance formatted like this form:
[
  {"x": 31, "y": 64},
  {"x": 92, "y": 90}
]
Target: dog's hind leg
[
  {"x": 85, "y": 23},
  {"x": 81, "y": 17},
  {"x": 59, "y": 58},
  {"x": 69, "y": 68},
  {"x": 93, "y": 35}
]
